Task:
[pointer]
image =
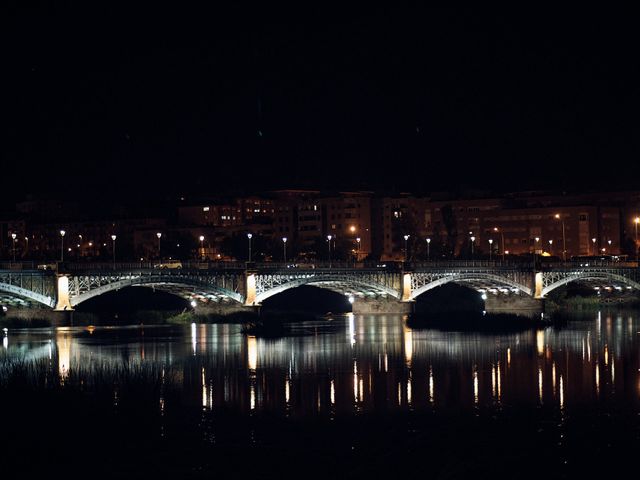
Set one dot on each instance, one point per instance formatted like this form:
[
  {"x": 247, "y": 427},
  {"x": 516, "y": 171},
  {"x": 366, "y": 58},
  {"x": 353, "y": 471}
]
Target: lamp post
[
  {"x": 551, "y": 247},
  {"x": 201, "y": 238},
  {"x": 249, "y": 236},
  {"x": 26, "y": 248},
  {"x": 428, "y": 245},
  {"x": 13, "y": 245},
  {"x": 490, "y": 247},
  {"x": 159, "y": 235},
  {"x": 473, "y": 240},
  {"x": 610, "y": 250},
  {"x": 329, "y": 237},
  {"x": 595, "y": 250},
  {"x": 284, "y": 249},
  {"x": 495, "y": 229},
  {"x": 406, "y": 251},
  {"x": 62, "y": 232},
  {"x": 358, "y": 239},
  {"x": 636, "y": 221},
  {"x": 113, "y": 237},
  {"x": 564, "y": 245}
]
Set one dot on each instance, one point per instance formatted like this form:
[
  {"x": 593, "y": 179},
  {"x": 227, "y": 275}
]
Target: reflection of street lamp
[
  {"x": 428, "y": 245},
  {"x": 13, "y": 236},
  {"x": 113, "y": 237},
  {"x": 202, "y": 246},
  {"x": 159, "y": 235},
  {"x": 406, "y": 251},
  {"x": 62, "y": 232},
  {"x": 249, "y": 235},
  {"x": 284, "y": 248},
  {"x": 473, "y": 240},
  {"x": 490, "y": 247}
]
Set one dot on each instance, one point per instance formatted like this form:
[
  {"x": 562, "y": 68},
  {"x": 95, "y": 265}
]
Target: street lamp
[
  {"x": 113, "y": 237},
  {"x": 159, "y": 235},
  {"x": 249, "y": 236},
  {"x": 490, "y": 247},
  {"x": 636, "y": 221},
  {"x": 329, "y": 237},
  {"x": 595, "y": 250},
  {"x": 13, "y": 236},
  {"x": 358, "y": 239},
  {"x": 406, "y": 251},
  {"x": 428, "y": 245},
  {"x": 495, "y": 229},
  {"x": 473, "y": 240},
  {"x": 201, "y": 246},
  {"x": 564, "y": 246},
  {"x": 610, "y": 250},
  {"x": 26, "y": 248},
  {"x": 284, "y": 248},
  {"x": 550, "y": 247},
  {"x": 62, "y": 232}
]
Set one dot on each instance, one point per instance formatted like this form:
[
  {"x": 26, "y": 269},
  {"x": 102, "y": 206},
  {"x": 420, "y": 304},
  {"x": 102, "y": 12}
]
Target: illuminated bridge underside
[
  {"x": 28, "y": 287},
  {"x": 212, "y": 288},
  {"x": 346, "y": 284},
  {"x": 15, "y": 300},
  {"x": 189, "y": 292},
  {"x": 423, "y": 282},
  {"x": 602, "y": 279}
]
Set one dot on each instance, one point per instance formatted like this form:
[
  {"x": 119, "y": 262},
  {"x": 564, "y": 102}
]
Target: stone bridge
[{"x": 390, "y": 287}]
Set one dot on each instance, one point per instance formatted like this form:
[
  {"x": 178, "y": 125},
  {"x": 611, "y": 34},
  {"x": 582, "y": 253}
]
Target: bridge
[{"x": 382, "y": 287}]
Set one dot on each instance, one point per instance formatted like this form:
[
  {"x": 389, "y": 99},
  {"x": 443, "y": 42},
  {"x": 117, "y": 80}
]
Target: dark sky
[{"x": 117, "y": 100}]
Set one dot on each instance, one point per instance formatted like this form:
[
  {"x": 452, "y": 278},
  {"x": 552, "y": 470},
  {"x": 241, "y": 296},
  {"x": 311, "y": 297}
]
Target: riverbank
[{"x": 158, "y": 317}]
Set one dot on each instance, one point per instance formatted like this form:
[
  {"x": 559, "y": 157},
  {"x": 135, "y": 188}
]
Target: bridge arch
[
  {"x": 28, "y": 294},
  {"x": 338, "y": 283},
  {"x": 588, "y": 276},
  {"x": 151, "y": 281},
  {"x": 469, "y": 277}
]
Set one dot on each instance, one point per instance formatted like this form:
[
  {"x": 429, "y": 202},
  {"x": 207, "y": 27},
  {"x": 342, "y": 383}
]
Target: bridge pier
[
  {"x": 62, "y": 289},
  {"x": 381, "y": 305},
  {"x": 513, "y": 303}
]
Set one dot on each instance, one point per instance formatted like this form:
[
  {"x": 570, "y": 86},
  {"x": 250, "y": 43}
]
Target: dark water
[{"x": 356, "y": 396}]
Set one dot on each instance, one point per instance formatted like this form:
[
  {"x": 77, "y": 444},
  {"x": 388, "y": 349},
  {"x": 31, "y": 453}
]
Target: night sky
[{"x": 154, "y": 101}]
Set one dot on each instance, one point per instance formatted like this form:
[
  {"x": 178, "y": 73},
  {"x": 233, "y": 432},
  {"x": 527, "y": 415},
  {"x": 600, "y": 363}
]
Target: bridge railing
[
  {"x": 178, "y": 265},
  {"x": 588, "y": 264},
  {"x": 17, "y": 265},
  {"x": 470, "y": 264},
  {"x": 298, "y": 266}
]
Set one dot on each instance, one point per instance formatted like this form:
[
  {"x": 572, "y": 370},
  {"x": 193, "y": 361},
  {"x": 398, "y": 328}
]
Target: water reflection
[{"x": 359, "y": 364}]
